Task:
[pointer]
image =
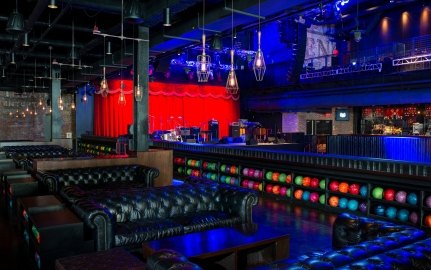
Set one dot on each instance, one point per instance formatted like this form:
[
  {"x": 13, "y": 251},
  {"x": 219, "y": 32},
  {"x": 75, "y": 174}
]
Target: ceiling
[{"x": 53, "y": 32}]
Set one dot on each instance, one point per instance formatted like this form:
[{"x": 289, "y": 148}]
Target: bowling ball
[
  {"x": 363, "y": 191},
  {"x": 223, "y": 178},
  {"x": 298, "y": 194},
  {"x": 322, "y": 199},
  {"x": 268, "y": 175},
  {"x": 380, "y": 210},
  {"x": 412, "y": 198},
  {"x": 413, "y": 217},
  {"x": 227, "y": 169},
  {"x": 333, "y": 185},
  {"x": 189, "y": 171},
  {"x": 428, "y": 201},
  {"x": 283, "y": 191},
  {"x": 391, "y": 212},
  {"x": 268, "y": 188},
  {"x": 233, "y": 169},
  {"x": 322, "y": 184},
  {"x": 223, "y": 167},
  {"x": 282, "y": 177},
  {"x": 256, "y": 174},
  {"x": 289, "y": 193},
  {"x": 353, "y": 205},
  {"x": 245, "y": 171},
  {"x": 343, "y": 187},
  {"x": 193, "y": 163},
  {"x": 377, "y": 193},
  {"x": 289, "y": 178},
  {"x": 342, "y": 203},
  {"x": 306, "y": 195},
  {"x": 275, "y": 176},
  {"x": 298, "y": 180},
  {"x": 389, "y": 194},
  {"x": 403, "y": 215},
  {"x": 228, "y": 179},
  {"x": 427, "y": 220},
  {"x": 245, "y": 183},
  {"x": 306, "y": 181},
  {"x": 256, "y": 185},
  {"x": 354, "y": 189},
  {"x": 189, "y": 162},
  {"x": 180, "y": 170},
  {"x": 198, "y": 163},
  {"x": 205, "y": 164},
  {"x": 333, "y": 201},
  {"x": 214, "y": 176},
  {"x": 314, "y": 197},
  {"x": 260, "y": 187},
  {"x": 363, "y": 207},
  {"x": 233, "y": 180},
  {"x": 401, "y": 196},
  {"x": 276, "y": 189},
  {"x": 314, "y": 182},
  {"x": 251, "y": 172}
]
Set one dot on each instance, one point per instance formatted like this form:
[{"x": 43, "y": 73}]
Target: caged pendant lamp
[
  {"x": 259, "y": 66},
  {"x": 232, "y": 83},
  {"x": 203, "y": 63}
]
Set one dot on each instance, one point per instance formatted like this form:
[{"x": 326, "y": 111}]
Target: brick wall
[
  {"x": 19, "y": 124},
  {"x": 296, "y": 122}
]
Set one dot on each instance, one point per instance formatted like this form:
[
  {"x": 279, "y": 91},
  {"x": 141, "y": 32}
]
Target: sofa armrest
[
  {"x": 49, "y": 183},
  {"x": 99, "y": 219},
  {"x": 148, "y": 174},
  {"x": 237, "y": 200}
]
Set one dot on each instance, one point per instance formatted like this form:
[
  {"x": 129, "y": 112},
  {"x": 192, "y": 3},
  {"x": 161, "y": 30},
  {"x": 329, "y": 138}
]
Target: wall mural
[{"x": 320, "y": 47}]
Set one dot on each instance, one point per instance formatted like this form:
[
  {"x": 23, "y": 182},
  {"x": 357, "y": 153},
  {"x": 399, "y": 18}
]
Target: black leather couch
[
  {"x": 88, "y": 178},
  {"x": 365, "y": 243},
  {"x": 130, "y": 216}
]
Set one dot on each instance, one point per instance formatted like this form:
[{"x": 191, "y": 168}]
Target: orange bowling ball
[
  {"x": 298, "y": 194},
  {"x": 275, "y": 176},
  {"x": 289, "y": 178},
  {"x": 427, "y": 221},
  {"x": 343, "y": 187},
  {"x": 306, "y": 181},
  {"x": 333, "y": 201}
]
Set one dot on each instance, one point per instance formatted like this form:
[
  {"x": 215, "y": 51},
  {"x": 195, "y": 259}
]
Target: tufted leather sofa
[
  {"x": 129, "y": 217},
  {"x": 364, "y": 243},
  {"x": 54, "y": 180}
]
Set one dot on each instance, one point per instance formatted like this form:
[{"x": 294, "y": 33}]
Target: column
[{"x": 56, "y": 118}]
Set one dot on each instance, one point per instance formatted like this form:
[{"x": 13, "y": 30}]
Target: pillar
[{"x": 56, "y": 118}]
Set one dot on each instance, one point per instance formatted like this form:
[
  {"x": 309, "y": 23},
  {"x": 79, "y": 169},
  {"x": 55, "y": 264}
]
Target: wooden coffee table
[{"x": 233, "y": 248}]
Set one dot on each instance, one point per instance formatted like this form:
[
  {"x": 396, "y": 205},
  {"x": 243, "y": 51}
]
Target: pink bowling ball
[
  {"x": 251, "y": 172},
  {"x": 245, "y": 171},
  {"x": 314, "y": 197},
  {"x": 256, "y": 173},
  {"x": 413, "y": 217},
  {"x": 245, "y": 183},
  {"x": 283, "y": 191},
  {"x": 401, "y": 196},
  {"x": 250, "y": 184},
  {"x": 428, "y": 201}
]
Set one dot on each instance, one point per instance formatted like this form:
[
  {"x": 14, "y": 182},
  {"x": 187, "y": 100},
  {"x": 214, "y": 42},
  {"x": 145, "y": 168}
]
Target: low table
[{"x": 233, "y": 248}]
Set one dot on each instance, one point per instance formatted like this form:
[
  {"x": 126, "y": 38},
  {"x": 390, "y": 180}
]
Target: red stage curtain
[{"x": 172, "y": 106}]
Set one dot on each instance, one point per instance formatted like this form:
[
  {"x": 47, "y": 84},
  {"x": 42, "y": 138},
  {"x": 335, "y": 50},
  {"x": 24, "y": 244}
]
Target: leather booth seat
[
  {"x": 54, "y": 180},
  {"x": 128, "y": 217},
  {"x": 365, "y": 243}
]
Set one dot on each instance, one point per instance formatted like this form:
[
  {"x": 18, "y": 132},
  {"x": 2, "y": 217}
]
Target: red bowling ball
[
  {"x": 389, "y": 194},
  {"x": 314, "y": 183},
  {"x": 256, "y": 185},
  {"x": 268, "y": 188},
  {"x": 333, "y": 186},
  {"x": 354, "y": 189}
]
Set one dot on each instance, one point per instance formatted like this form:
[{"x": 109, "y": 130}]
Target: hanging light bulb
[
  {"x": 203, "y": 63},
  {"x": 25, "y": 43},
  {"x": 40, "y": 102},
  {"x": 122, "y": 97},
  {"x": 84, "y": 97},
  {"x": 259, "y": 66},
  {"x": 72, "y": 105},
  {"x": 104, "y": 88},
  {"x": 50, "y": 109},
  {"x": 232, "y": 83},
  {"x": 138, "y": 91}
]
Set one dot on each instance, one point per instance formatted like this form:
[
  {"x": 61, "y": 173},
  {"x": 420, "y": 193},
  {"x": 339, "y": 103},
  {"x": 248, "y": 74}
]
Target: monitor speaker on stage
[
  {"x": 234, "y": 131},
  {"x": 251, "y": 141},
  {"x": 213, "y": 129}
]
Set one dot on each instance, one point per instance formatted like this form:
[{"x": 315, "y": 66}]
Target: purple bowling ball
[
  {"x": 401, "y": 196},
  {"x": 256, "y": 173},
  {"x": 428, "y": 201},
  {"x": 363, "y": 207},
  {"x": 413, "y": 217}
]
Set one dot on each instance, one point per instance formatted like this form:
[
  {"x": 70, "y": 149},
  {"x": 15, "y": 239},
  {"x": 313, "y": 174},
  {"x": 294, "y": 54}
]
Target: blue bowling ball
[
  {"x": 363, "y": 191},
  {"x": 353, "y": 205},
  {"x": 342, "y": 203},
  {"x": 412, "y": 198},
  {"x": 380, "y": 210},
  {"x": 391, "y": 212},
  {"x": 403, "y": 215},
  {"x": 306, "y": 195}
]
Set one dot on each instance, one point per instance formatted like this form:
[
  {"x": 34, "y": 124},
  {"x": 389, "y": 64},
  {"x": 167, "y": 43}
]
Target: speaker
[
  {"x": 213, "y": 129},
  {"x": 252, "y": 141},
  {"x": 234, "y": 131}
]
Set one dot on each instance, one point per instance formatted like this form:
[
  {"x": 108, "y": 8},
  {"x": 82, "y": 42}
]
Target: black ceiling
[{"x": 51, "y": 31}]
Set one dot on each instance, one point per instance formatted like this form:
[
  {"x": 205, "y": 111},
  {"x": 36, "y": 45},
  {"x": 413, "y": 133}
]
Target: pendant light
[
  {"x": 138, "y": 91},
  {"x": 104, "y": 88},
  {"x": 259, "y": 66},
  {"x": 133, "y": 12},
  {"x": 52, "y": 4},
  {"x": 15, "y": 22},
  {"x": 203, "y": 63},
  {"x": 167, "y": 15},
  {"x": 25, "y": 43},
  {"x": 232, "y": 83},
  {"x": 121, "y": 97},
  {"x": 12, "y": 58}
]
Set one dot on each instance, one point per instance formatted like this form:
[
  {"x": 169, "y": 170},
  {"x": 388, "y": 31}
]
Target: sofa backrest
[{"x": 159, "y": 202}]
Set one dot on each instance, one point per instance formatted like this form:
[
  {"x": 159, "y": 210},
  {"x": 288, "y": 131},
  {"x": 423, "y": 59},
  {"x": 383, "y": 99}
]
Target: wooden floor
[{"x": 309, "y": 229}]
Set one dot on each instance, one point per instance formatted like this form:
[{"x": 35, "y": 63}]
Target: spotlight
[
  {"x": 52, "y": 4},
  {"x": 166, "y": 17}
]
